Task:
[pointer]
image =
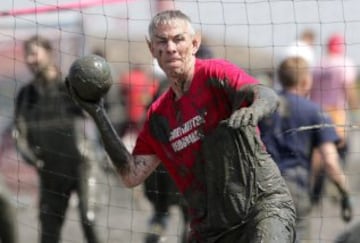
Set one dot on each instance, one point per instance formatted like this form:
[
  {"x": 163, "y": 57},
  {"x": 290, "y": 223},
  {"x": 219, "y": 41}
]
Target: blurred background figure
[
  {"x": 159, "y": 188},
  {"x": 54, "y": 136},
  {"x": 292, "y": 149},
  {"x": 335, "y": 90},
  {"x": 302, "y": 47},
  {"x": 137, "y": 90}
]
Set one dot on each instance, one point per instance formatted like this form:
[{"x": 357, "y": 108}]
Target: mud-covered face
[
  {"x": 174, "y": 47},
  {"x": 37, "y": 58}
]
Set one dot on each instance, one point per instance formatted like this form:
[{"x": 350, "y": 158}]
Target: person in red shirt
[
  {"x": 137, "y": 89},
  {"x": 234, "y": 190}
]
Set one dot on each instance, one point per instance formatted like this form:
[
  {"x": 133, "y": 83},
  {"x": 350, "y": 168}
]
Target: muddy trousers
[
  {"x": 55, "y": 193},
  {"x": 267, "y": 230}
]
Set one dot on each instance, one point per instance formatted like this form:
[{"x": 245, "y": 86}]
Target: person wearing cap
[{"x": 334, "y": 89}]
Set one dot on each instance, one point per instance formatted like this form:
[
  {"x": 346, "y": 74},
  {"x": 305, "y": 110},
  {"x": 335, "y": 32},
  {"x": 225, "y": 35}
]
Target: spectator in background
[
  {"x": 292, "y": 149},
  {"x": 137, "y": 90},
  {"x": 51, "y": 135},
  {"x": 334, "y": 89},
  {"x": 302, "y": 47}
]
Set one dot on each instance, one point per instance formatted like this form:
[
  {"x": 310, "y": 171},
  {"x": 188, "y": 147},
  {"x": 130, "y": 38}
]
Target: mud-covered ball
[{"x": 90, "y": 77}]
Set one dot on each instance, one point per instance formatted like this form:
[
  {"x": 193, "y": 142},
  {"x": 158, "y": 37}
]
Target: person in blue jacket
[{"x": 293, "y": 132}]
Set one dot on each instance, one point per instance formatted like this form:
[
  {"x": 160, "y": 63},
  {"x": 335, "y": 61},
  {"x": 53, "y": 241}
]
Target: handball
[{"x": 90, "y": 77}]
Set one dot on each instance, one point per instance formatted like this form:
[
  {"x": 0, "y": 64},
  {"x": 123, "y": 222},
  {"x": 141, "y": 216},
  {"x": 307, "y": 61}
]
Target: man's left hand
[{"x": 244, "y": 117}]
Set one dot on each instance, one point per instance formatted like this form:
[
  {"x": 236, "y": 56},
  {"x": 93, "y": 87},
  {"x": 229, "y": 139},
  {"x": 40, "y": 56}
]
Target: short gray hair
[{"x": 167, "y": 16}]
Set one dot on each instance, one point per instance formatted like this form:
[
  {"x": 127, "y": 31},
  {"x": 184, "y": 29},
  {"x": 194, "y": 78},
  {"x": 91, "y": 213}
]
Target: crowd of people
[{"x": 244, "y": 162}]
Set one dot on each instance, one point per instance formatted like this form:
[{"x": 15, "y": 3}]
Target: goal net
[{"x": 252, "y": 34}]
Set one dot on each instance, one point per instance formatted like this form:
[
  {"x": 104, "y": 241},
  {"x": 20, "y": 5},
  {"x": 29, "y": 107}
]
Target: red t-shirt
[{"x": 174, "y": 130}]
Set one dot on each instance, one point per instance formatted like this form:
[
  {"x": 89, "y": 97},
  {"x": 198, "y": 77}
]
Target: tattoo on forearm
[
  {"x": 140, "y": 165},
  {"x": 135, "y": 168}
]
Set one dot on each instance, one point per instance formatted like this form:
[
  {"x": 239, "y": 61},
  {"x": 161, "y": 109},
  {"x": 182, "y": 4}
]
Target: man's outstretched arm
[
  {"x": 261, "y": 101},
  {"x": 133, "y": 169}
]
